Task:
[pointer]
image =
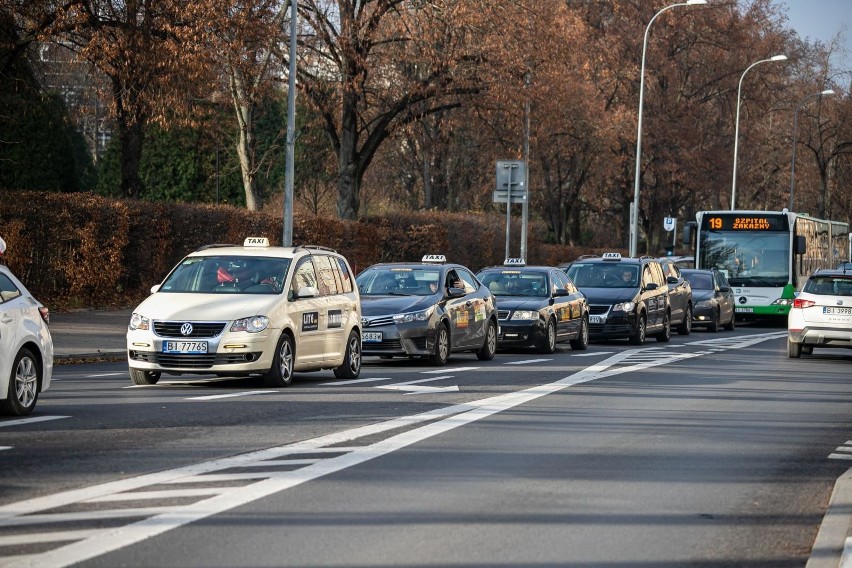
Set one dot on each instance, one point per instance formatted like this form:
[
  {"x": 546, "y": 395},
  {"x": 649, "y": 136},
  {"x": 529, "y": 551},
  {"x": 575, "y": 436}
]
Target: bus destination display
[{"x": 740, "y": 222}]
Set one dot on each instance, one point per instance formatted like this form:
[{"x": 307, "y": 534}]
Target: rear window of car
[
  {"x": 700, "y": 281},
  {"x": 829, "y": 286}
]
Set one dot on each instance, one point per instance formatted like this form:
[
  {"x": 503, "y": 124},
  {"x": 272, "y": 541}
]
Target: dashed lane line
[
  {"x": 527, "y": 361},
  {"x": 31, "y": 420},
  {"x": 229, "y": 395}
]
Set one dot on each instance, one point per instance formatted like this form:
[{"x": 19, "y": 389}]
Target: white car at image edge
[
  {"x": 821, "y": 315},
  {"x": 26, "y": 348}
]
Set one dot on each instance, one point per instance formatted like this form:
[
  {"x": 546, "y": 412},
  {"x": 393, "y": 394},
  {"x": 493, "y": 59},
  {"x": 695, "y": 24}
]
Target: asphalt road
[{"x": 712, "y": 450}]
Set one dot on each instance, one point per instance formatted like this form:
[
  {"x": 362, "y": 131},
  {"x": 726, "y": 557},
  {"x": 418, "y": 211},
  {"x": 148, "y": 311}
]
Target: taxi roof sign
[
  {"x": 514, "y": 262},
  {"x": 437, "y": 258},
  {"x": 611, "y": 256},
  {"x": 256, "y": 242}
]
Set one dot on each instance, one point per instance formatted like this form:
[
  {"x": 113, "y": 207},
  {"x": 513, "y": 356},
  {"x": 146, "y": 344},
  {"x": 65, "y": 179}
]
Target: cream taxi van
[{"x": 249, "y": 310}]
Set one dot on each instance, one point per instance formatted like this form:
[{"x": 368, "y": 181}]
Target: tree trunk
[
  {"x": 131, "y": 137},
  {"x": 349, "y": 170}
]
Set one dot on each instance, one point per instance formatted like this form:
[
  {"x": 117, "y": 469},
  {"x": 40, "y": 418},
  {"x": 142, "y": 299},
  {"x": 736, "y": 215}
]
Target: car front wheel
[
  {"x": 548, "y": 344},
  {"x": 638, "y": 337},
  {"x": 666, "y": 335},
  {"x": 22, "y": 394},
  {"x": 442, "y": 346},
  {"x": 281, "y": 373},
  {"x": 143, "y": 378},
  {"x": 685, "y": 328}
]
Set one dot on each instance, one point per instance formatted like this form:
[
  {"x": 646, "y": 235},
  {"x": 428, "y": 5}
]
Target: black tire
[
  {"x": 685, "y": 327},
  {"x": 794, "y": 350},
  {"x": 351, "y": 367},
  {"x": 638, "y": 337},
  {"x": 489, "y": 348},
  {"x": 582, "y": 341},
  {"x": 281, "y": 373},
  {"x": 732, "y": 325},
  {"x": 442, "y": 346},
  {"x": 665, "y": 335},
  {"x": 143, "y": 378},
  {"x": 24, "y": 381},
  {"x": 548, "y": 343},
  {"x": 714, "y": 323}
]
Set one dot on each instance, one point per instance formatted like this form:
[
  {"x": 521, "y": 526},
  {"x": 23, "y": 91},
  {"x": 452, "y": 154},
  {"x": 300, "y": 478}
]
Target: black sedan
[
  {"x": 537, "y": 306},
  {"x": 427, "y": 309},
  {"x": 713, "y": 299}
]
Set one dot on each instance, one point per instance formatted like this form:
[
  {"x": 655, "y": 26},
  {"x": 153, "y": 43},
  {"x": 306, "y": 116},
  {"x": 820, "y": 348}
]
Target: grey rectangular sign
[{"x": 499, "y": 196}]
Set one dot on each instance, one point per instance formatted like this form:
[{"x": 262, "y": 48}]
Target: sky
[{"x": 821, "y": 20}]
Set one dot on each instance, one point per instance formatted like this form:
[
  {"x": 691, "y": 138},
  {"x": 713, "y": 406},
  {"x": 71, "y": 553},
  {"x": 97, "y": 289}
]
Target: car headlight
[
  {"x": 624, "y": 307},
  {"x": 704, "y": 304},
  {"x": 414, "y": 316},
  {"x": 783, "y": 302},
  {"x": 139, "y": 322},
  {"x": 254, "y": 324},
  {"x": 525, "y": 315}
]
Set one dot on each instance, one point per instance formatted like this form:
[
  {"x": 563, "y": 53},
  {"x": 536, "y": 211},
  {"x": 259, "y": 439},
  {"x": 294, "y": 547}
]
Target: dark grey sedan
[{"x": 713, "y": 299}]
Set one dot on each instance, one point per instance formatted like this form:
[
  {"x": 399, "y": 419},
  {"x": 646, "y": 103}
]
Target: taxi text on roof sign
[
  {"x": 256, "y": 242},
  {"x": 514, "y": 262},
  {"x": 611, "y": 256},
  {"x": 434, "y": 258}
]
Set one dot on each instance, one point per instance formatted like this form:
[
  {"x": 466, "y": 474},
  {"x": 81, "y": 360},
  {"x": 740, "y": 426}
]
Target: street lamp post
[
  {"x": 795, "y": 135},
  {"x": 737, "y": 123},
  {"x": 634, "y": 216}
]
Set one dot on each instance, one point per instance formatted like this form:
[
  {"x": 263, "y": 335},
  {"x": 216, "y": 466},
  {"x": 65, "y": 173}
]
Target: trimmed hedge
[{"x": 82, "y": 250}]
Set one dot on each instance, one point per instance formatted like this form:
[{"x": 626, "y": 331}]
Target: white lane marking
[
  {"x": 229, "y": 395},
  {"x": 840, "y": 456},
  {"x": 527, "y": 361},
  {"x": 6, "y": 448},
  {"x": 436, "y": 422},
  {"x": 429, "y": 380},
  {"x": 35, "y": 538},
  {"x": 419, "y": 389},
  {"x": 353, "y": 381},
  {"x": 125, "y": 373},
  {"x": 455, "y": 370},
  {"x": 161, "y": 494},
  {"x": 182, "y": 382},
  {"x": 22, "y": 421},
  {"x": 595, "y": 354}
]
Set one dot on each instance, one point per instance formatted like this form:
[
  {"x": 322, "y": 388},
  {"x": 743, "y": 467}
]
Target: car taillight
[
  {"x": 799, "y": 303},
  {"x": 45, "y": 314}
]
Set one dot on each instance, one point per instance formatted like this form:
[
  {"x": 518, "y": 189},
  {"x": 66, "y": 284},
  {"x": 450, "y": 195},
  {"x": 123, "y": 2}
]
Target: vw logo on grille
[
  {"x": 743, "y": 299},
  {"x": 365, "y": 322},
  {"x": 186, "y": 329}
]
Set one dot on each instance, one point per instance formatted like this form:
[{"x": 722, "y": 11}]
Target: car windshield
[
  {"x": 398, "y": 281},
  {"x": 228, "y": 275},
  {"x": 604, "y": 275},
  {"x": 515, "y": 283},
  {"x": 829, "y": 286},
  {"x": 700, "y": 281}
]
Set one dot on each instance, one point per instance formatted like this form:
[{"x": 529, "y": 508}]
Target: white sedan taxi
[{"x": 821, "y": 315}]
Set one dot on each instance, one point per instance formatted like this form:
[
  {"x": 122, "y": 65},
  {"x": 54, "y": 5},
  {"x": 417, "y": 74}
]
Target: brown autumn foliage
[{"x": 419, "y": 99}]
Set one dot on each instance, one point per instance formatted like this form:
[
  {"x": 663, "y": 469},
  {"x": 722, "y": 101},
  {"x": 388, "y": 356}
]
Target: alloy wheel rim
[
  {"x": 551, "y": 335},
  {"x": 442, "y": 343},
  {"x": 26, "y": 381},
  {"x": 286, "y": 359},
  {"x": 354, "y": 355}
]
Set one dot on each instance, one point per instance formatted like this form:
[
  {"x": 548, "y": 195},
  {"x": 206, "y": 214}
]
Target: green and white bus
[{"x": 767, "y": 255}]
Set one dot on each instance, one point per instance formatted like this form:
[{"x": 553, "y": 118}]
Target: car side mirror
[
  {"x": 155, "y": 288},
  {"x": 455, "y": 292},
  {"x": 307, "y": 292},
  {"x": 671, "y": 280},
  {"x": 560, "y": 292},
  {"x": 724, "y": 288},
  {"x": 651, "y": 286}
]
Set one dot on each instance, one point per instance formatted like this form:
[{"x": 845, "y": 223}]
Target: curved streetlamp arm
[
  {"x": 737, "y": 123},
  {"x": 634, "y": 222}
]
